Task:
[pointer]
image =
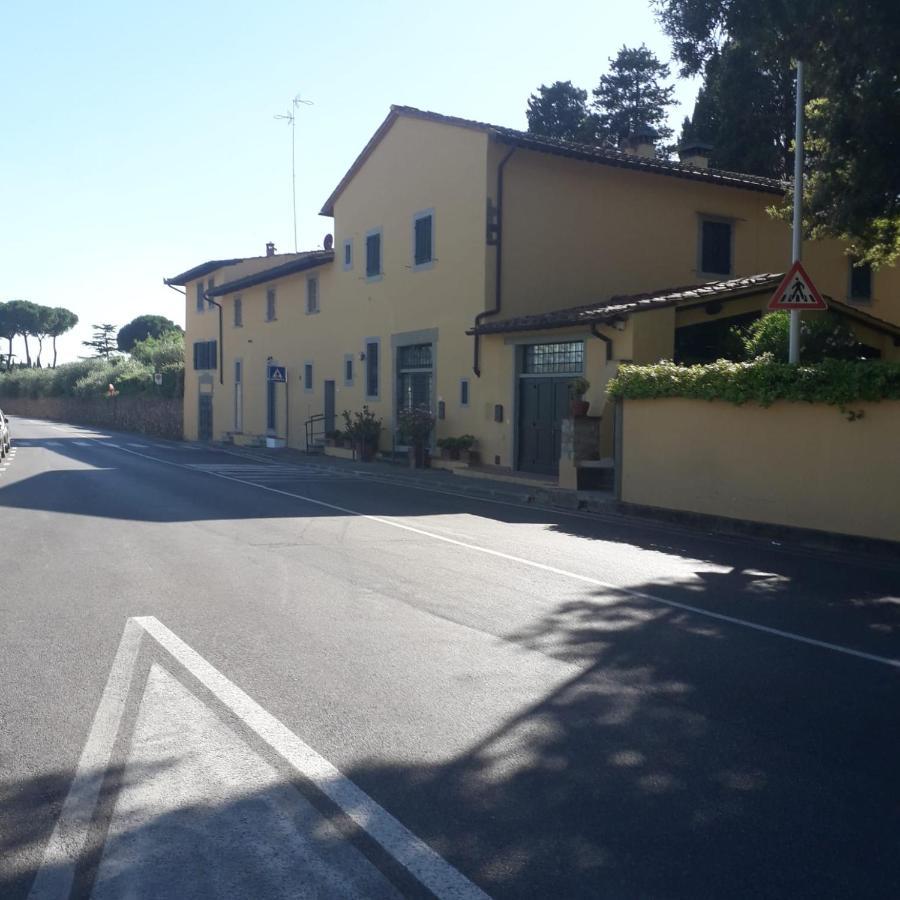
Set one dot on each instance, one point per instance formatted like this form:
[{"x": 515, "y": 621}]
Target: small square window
[
  {"x": 312, "y": 295},
  {"x": 373, "y": 255},
  {"x": 270, "y": 305},
  {"x": 715, "y": 247},
  {"x": 238, "y": 312},
  {"x": 860, "y": 281}
]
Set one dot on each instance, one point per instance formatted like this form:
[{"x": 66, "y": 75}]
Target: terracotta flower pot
[{"x": 580, "y": 407}]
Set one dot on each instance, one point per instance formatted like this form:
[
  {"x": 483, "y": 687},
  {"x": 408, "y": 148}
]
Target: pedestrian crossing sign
[
  {"x": 277, "y": 373},
  {"x": 797, "y": 291}
]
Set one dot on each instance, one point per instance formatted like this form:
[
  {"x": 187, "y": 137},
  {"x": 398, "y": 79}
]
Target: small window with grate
[
  {"x": 238, "y": 312},
  {"x": 348, "y": 255},
  {"x": 554, "y": 359},
  {"x": 414, "y": 356},
  {"x": 308, "y": 377},
  {"x": 464, "y": 392},
  {"x": 199, "y": 290},
  {"x": 270, "y": 305},
  {"x": 348, "y": 369}
]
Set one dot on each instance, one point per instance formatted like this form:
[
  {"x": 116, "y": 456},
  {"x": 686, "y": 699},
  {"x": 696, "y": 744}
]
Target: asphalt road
[{"x": 273, "y": 681}]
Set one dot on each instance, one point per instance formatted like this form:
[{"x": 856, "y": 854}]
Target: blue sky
[{"x": 139, "y": 139}]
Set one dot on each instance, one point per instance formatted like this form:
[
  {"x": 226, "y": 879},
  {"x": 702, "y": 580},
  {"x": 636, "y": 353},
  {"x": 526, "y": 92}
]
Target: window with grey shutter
[
  {"x": 373, "y": 255},
  {"x": 312, "y": 295},
  {"x": 372, "y": 369},
  {"x": 860, "y": 281},
  {"x": 199, "y": 290},
  {"x": 715, "y": 249},
  {"x": 422, "y": 229}
]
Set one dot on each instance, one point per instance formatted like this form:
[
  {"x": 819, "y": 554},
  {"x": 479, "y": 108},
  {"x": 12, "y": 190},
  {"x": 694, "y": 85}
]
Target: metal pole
[
  {"x": 287, "y": 412},
  {"x": 797, "y": 244},
  {"x": 294, "y": 173}
]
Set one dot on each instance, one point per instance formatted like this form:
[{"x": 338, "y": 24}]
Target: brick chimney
[
  {"x": 695, "y": 153},
  {"x": 270, "y": 249},
  {"x": 641, "y": 142}
]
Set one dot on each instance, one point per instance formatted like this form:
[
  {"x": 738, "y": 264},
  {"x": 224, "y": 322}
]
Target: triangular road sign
[{"x": 797, "y": 291}]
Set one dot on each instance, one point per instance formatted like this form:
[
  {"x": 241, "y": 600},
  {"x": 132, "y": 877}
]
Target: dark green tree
[
  {"x": 632, "y": 96},
  {"x": 103, "y": 341},
  {"x": 745, "y": 109},
  {"x": 26, "y": 317},
  {"x": 561, "y": 111},
  {"x": 61, "y": 321},
  {"x": 141, "y": 328},
  {"x": 851, "y": 51},
  {"x": 9, "y": 328}
]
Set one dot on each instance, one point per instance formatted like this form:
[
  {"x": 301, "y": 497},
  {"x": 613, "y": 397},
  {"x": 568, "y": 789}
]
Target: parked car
[{"x": 4, "y": 435}]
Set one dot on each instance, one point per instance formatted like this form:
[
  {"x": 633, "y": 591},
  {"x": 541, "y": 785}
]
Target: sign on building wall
[{"x": 277, "y": 373}]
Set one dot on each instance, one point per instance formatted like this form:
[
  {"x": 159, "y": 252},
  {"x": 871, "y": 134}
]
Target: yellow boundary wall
[{"x": 797, "y": 464}]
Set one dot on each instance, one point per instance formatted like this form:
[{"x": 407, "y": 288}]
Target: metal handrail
[{"x": 315, "y": 436}]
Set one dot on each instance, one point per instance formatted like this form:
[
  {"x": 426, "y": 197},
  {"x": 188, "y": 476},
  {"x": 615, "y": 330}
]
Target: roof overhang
[
  {"x": 201, "y": 270},
  {"x": 304, "y": 263}
]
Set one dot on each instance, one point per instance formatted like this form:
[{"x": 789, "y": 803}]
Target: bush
[
  {"x": 415, "y": 425},
  {"x": 763, "y": 381},
  {"x": 160, "y": 352},
  {"x": 362, "y": 427},
  {"x": 821, "y": 337}
]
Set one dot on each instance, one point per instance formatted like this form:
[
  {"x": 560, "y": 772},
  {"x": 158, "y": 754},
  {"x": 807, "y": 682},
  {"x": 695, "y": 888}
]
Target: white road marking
[
  {"x": 139, "y": 446},
  {"x": 55, "y": 877},
  {"x": 85, "y": 443},
  {"x": 584, "y": 579},
  {"x": 53, "y": 443}
]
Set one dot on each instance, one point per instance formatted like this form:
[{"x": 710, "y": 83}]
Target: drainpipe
[
  {"x": 606, "y": 340},
  {"x": 212, "y": 302},
  {"x": 476, "y": 361}
]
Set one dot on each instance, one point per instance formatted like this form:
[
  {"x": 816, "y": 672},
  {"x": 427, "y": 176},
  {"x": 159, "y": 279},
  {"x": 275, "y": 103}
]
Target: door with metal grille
[
  {"x": 415, "y": 376},
  {"x": 546, "y": 370}
]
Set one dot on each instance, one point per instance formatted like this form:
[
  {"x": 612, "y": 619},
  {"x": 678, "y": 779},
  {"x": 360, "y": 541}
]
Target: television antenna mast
[{"x": 291, "y": 117}]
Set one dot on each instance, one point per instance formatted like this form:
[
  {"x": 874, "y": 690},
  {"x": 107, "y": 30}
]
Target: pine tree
[
  {"x": 561, "y": 111},
  {"x": 103, "y": 341},
  {"x": 632, "y": 97}
]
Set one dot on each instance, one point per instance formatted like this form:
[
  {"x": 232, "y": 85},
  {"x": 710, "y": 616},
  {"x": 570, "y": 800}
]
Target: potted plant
[
  {"x": 454, "y": 447},
  {"x": 334, "y": 438},
  {"x": 415, "y": 426},
  {"x": 362, "y": 430},
  {"x": 578, "y": 387}
]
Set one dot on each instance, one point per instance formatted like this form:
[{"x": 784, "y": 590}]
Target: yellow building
[{"x": 478, "y": 269}]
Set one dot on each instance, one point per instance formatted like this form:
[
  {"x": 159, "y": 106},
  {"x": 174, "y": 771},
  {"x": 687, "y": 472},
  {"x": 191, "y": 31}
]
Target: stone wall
[{"x": 152, "y": 416}]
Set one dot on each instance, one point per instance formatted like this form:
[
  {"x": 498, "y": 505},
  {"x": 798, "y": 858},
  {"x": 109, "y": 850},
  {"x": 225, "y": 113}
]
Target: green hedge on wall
[{"x": 763, "y": 381}]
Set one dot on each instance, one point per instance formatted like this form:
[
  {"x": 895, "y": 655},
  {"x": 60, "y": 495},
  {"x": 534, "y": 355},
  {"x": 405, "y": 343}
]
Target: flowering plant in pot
[
  {"x": 578, "y": 387},
  {"x": 415, "y": 426},
  {"x": 362, "y": 429}
]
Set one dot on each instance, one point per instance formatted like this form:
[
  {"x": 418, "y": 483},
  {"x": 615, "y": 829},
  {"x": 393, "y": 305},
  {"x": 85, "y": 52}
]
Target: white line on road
[
  {"x": 55, "y": 877},
  {"x": 584, "y": 579},
  {"x": 53, "y": 443},
  {"x": 85, "y": 443},
  {"x": 139, "y": 446}
]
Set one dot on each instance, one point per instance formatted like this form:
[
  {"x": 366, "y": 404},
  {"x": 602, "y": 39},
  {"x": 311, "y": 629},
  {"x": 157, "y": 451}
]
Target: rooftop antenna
[{"x": 291, "y": 117}]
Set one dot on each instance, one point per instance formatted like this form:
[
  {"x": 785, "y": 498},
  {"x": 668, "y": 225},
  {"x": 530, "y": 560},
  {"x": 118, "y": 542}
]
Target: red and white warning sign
[{"x": 797, "y": 291}]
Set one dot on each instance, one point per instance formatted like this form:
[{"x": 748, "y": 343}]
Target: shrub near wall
[{"x": 77, "y": 392}]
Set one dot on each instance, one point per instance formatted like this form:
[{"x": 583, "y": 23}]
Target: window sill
[
  {"x": 859, "y": 301},
  {"x": 372, "y": 278},
  {"x": 422, "y": 267},
  {"x": 716, "y": 276},
  {"x": 273, "y": 319},
  {"x": 312, "y": 312}
]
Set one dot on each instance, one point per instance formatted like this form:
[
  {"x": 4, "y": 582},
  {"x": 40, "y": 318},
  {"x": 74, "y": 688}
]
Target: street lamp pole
[{"x": 797, "y": 236}]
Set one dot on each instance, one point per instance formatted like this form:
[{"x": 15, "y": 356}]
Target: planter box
[
  {"x": 274, "y": 443},
  {"x": 339, "y": 452}
]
